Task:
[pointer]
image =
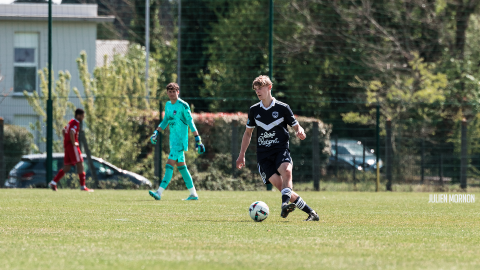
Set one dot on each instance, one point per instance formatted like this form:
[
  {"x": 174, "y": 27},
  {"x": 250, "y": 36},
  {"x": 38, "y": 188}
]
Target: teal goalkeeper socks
[
  {"x": 188, "y": 180},
  {"x": 186, "y": 176},
  {"x": 167, "y": 177}
]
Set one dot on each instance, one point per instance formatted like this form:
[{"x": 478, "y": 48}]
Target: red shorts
[{"x": 72, "y": 155}]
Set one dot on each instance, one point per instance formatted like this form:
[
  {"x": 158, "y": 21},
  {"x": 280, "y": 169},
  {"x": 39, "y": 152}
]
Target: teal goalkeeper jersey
[{"x": 179, "y": 117}]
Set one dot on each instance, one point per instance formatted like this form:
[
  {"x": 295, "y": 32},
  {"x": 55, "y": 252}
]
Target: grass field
[{"x": 40, "y": 229}]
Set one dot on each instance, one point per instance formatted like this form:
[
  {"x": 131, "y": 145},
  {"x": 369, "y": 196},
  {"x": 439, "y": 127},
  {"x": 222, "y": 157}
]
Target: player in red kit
[{"x": 73, "y": 156}]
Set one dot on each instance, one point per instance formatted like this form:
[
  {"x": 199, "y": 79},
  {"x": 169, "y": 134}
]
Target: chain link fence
[{"x": 336, "y": 63}]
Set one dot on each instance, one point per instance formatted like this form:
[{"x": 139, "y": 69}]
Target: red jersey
[{"x": 74, "y": 125}]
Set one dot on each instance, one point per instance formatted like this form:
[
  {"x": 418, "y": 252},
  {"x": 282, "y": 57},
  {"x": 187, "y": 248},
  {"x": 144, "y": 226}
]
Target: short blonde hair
[
  {"x": 173, "y": 86},
  {"x": 261, "y": 81}
]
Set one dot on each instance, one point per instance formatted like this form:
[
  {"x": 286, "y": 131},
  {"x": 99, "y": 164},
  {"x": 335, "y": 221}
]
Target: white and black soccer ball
[{"x": 259, "y": 211}]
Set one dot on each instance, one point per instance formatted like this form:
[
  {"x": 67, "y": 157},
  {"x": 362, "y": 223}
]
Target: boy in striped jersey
[{"x": 274, "y": 162}]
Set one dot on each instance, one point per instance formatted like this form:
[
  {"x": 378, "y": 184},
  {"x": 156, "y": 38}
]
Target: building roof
[
  {"x": 64, "y": 12},
  {"x": 110, "y": 48}
]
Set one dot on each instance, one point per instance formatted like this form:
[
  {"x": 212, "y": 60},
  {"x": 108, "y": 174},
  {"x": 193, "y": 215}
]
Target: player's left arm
[
  {"x": 293, "y": 122},
  {"x": 198, "y": 140}
]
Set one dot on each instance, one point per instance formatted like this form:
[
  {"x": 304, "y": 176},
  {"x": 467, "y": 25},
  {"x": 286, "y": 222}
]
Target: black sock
[
  {"x": 302, "y": 205},
  {"x": 286, "y": 195}
]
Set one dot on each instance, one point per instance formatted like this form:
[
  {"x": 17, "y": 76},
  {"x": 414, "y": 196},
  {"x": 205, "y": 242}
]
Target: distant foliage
[
  {"x": 117, "y": 112},
  {"x": 416, "y": 95},
  {"x": 213, "y": 170},
  {"x": 18, "y": 141},
  {"x": 61, "y": 104}
]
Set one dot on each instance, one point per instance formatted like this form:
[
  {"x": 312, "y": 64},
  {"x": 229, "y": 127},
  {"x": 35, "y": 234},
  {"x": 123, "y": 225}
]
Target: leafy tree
[
  {"x": 118, "y": 114},
  {"x": 61, "y": 105},
  {"x": 413, "y": 101}
]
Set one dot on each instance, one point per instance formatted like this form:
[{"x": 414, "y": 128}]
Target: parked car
[
  {"x": 31, "y": 171},
  {"x": 348, "y": 150}
]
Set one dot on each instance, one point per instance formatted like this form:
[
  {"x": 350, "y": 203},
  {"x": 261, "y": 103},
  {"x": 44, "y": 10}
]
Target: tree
[
  {"x": 61, "y": 105},
  {"x": 412, "y": 101},
  {"x": 118, "y": 114},
  {"x": 238, "y": 54}
]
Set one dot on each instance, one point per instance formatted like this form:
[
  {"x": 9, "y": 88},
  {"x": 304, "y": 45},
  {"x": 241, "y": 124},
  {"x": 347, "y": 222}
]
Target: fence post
[
  {"x": 440, "y": 169},
  {"x": 377, "y": 135},
  {"x": 315, "y": 157},
  {"x": 422, "y": 162},
  {"x": 157, "y": 157},
  {"x": 234, "y": 146},
  {"x": 354, "y": 171},
  {"x": 89, "y": 157},
  {"x": 159, "y": 148},
  {"x": 463, "y": 166},
  {"x": 388, "y": 154},
  {"x": 2, "y": 156},
  {"x": 363, "y": 161},
  {"x": 336, "y": 156}
]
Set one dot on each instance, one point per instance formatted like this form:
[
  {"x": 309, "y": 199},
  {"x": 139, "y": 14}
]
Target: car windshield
[
  {"x": 351, "y": 149},
  {"x": 356, "y": 149}
]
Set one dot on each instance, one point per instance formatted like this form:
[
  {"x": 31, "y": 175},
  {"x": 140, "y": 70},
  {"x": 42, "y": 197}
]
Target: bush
[
  {"x": 213, "y": 170},
  {"x": 216, "y": 131},
  {"x": 17, "y": 142}
]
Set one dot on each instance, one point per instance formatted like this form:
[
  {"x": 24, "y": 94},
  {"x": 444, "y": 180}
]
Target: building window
[{"x": 25, "y": 62}]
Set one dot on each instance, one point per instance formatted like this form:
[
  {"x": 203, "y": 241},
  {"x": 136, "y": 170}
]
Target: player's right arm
[
  {"x": 247, "y": 136},
  {"x": 161, "y": 127}
]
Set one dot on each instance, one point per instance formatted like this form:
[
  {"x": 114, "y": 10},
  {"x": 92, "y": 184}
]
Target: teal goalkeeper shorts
[{"x": 179, "y": 156}]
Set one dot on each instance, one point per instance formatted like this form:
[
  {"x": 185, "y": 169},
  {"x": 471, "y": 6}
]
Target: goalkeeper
[{"x": 179, "y": 117}]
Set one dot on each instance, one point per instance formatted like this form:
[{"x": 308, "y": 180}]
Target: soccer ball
[{"x": 259, "y": 211}]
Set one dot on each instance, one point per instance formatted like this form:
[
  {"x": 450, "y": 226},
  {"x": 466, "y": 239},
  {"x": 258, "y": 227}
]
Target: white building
[{"x": 24, "y": 50}]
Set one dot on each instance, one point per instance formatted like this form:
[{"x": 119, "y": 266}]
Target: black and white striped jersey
[{"x": 272, "y": 125}]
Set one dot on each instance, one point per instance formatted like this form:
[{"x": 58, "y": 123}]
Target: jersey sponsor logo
[
  {"x": 271, "y": 125},
  {"x": 75, "y": 127},
  {"x": 275, "y": 114},
  {"x": 267, "y": 139},
  {"x": 258, "y": 116},
  {"x": 174, "y": 112}
]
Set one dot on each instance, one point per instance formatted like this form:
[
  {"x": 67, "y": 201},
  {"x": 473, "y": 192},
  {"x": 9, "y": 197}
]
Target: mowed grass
[{"x": 41, "y": 229}]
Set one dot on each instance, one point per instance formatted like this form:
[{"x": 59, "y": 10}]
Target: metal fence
[
  {"x": 333, "y": 157},
  {"x": 389, "y": 82}
]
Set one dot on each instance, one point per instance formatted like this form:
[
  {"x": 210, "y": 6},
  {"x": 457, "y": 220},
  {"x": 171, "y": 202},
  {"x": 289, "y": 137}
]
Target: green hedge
[{"x": 213, "y": 170}]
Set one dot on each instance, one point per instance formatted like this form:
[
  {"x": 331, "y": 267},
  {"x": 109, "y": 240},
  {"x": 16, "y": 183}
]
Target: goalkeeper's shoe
[
  {"x": 52, "y": 186},
  {"x": 191, "y": 198},
  {"x": 287, "y": 209},
  {"x": 155, "y": 195},
  {"x": 313, "y": 216}
]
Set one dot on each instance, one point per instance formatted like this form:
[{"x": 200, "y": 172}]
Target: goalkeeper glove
[
  {"x": 199, "y": 145},
  {"x": 153, "y": 138}
]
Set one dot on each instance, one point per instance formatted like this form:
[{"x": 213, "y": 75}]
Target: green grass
[{"x": 40, "y": 229}]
